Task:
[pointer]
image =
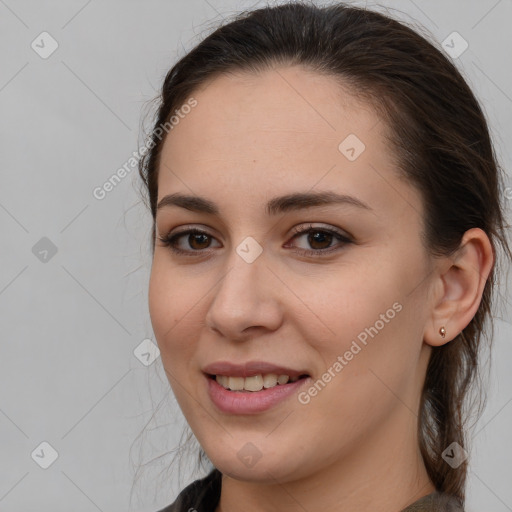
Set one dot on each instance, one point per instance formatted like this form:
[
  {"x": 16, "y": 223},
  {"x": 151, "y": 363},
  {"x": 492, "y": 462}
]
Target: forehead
[
  {"x": 277, "y": 131},
  {"x": 290, "y": 103}
]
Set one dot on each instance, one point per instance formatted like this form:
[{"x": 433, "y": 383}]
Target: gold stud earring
[{"x": 442, "y": 332}]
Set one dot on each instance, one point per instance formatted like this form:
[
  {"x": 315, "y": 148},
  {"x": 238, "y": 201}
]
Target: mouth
[
  {"x": 255, "y": 383},
  {"x": 254, "y": 386},
  {"x": 253, "y": 394}
]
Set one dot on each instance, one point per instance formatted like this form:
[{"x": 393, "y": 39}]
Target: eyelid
[
  {"x": 186, "y": 228},
  {"x": 301, "y": 229},
  {"x": 344, "y": 238}
]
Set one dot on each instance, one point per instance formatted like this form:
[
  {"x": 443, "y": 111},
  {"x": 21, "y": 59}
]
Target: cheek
[
  {"x": 173, "y": 308},
  {"x": 365, "y": 314},
  {"x": 342, "y": 303},
  {"x": 160, "y": 301}
]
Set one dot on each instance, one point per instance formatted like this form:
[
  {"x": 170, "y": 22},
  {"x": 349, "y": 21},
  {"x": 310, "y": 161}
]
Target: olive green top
[{"x": 203, "y": 495}]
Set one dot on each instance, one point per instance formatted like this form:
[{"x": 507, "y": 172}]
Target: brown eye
[
  {"x": 320, "y": 240},
  {"x": 196, "y": 241}
]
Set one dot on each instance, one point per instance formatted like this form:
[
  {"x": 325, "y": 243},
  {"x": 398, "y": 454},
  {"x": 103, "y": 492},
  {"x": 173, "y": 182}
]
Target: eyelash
[{"x": 169, "y": 241}]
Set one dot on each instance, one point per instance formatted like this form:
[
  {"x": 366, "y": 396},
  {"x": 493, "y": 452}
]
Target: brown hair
[{"x": 442, "y": 146}]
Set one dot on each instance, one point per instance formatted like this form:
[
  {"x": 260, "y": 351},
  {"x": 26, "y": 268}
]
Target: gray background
[{"x": 71, "y": 321}]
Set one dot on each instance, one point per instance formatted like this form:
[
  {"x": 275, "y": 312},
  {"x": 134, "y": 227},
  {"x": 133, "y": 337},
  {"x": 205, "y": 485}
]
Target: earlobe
[
  {"x": 461, "y": 282},
  {"x": 440, "y": 337}
]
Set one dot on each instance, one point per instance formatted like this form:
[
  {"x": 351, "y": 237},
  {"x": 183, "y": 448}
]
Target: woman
[{"x": 327, "y": 215}]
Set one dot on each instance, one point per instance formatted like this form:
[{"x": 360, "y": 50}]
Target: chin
[{"x": 262, "y": 469}]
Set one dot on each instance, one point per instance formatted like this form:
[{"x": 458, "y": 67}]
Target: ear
[{"x": 458, "y": 287}]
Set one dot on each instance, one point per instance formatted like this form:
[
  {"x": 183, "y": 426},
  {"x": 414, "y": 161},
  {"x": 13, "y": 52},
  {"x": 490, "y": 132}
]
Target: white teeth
[
  {"x": 253, "y": 383},
  {"x": 282, "y": 379},
  {"x": 269, "y": 380},
  {"x": 236, "y": 383},
  {"x": 223, "y": 380}
]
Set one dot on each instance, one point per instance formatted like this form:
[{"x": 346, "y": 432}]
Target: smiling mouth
[{"x": 255, "y": 383}]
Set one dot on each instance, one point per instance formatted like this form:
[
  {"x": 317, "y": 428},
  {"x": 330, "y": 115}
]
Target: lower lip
[{"x": 251, "y": 402}]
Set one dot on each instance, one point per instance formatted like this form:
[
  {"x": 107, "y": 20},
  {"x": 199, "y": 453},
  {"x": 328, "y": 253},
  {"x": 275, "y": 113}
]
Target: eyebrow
[{"x": 281, "y": 204}]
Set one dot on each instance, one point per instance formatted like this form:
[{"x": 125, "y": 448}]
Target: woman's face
[{"x": 350, "y": 314}]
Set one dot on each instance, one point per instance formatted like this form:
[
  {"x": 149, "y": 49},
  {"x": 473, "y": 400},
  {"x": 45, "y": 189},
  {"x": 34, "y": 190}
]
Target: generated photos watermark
[
  {"x": 101, "y": 192},
  {"x": 305, "y": 397}
]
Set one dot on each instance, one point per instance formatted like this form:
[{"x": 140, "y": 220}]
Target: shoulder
[
  {"x": 436, "y": 502},
  {"x": 202, "y": 495}
]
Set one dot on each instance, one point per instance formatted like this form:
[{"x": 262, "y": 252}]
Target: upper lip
[{"x": 250, "y": 369}]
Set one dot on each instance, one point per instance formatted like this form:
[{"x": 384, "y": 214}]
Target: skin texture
[{"x": 251, "y": 138}]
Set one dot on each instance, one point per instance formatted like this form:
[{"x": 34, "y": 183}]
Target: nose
[{"x": 247, "y": 300}]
